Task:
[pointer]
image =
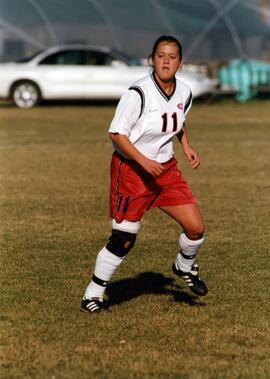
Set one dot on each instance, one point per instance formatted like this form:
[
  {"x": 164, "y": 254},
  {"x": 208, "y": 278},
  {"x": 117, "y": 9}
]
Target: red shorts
[{"x": 133, "y": 191}]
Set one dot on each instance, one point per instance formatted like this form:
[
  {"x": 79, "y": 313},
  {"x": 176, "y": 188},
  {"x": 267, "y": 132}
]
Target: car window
[
  {"x": 97, "y": 58},
  {"x": 69, "y": 57}
]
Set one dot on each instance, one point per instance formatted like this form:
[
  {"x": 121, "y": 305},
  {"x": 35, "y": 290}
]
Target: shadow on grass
[{"x": 148, "y": 283}]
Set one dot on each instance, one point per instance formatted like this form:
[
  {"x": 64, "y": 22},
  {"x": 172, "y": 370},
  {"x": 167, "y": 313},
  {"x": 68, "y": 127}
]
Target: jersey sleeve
[
  {"x": 127, "y": 113},
  {"x": 188, "y": 103}
]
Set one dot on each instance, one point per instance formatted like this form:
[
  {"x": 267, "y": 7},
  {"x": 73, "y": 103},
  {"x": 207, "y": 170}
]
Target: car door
[{"x": 61, "y": 74}]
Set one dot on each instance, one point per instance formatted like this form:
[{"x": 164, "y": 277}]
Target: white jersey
[{"x": 150, "y": 118}]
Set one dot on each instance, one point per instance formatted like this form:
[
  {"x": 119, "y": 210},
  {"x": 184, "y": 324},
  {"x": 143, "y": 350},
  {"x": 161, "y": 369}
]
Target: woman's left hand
[{"x": 192, "y": 157}]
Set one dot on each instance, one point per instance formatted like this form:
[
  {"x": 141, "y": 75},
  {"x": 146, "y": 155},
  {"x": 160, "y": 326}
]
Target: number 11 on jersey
[{"x": 165, "y": 122}]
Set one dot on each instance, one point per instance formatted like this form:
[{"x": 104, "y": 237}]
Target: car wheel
[{"x": 25, "y": 94}]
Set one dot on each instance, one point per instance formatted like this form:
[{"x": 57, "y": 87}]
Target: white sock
[
  {"x": 188, "y": 250},
  {"x": 106, "y": 264}
]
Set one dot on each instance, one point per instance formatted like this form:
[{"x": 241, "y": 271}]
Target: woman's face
[{"x": 166, "y": 61}]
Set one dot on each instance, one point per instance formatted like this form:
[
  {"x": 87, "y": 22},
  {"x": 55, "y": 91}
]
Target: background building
[{"x": 211, "y": 30}]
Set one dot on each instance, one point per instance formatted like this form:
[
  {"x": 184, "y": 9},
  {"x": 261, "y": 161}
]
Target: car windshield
[{"x": 28, "y": 59}]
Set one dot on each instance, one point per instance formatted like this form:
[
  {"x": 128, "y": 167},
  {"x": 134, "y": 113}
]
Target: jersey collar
[{"x": 162, "y": 92}]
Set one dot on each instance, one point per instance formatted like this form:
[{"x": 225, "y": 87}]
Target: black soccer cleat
[
  {"x": 92, "y": 306},
  {"x": 194, "y": 282}
]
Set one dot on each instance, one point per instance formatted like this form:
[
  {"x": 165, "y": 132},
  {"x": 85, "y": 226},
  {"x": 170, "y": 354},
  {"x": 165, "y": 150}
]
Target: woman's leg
[
  {"x": 190, "y": 219},
  {"x": 108, "y": 259}
]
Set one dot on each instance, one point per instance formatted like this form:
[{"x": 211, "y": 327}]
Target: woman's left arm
[{"x": 191, "y": 155}]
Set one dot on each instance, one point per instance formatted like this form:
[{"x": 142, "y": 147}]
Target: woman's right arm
[{"x": 126, "y": 146}]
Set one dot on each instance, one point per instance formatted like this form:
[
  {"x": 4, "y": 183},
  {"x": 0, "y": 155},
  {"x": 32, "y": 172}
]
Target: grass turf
[{"x": 54, "y": 166}]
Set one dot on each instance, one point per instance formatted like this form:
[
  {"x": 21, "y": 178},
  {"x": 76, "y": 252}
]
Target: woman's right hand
[
  {"x": 126, "y": 146},
  {"x": 153, "y": 168}
]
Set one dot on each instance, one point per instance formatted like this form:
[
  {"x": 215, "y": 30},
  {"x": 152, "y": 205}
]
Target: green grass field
[{"x": 54, "y": 167}]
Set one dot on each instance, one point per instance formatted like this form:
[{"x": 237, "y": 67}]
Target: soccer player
[{"x": 144, "y": 172}]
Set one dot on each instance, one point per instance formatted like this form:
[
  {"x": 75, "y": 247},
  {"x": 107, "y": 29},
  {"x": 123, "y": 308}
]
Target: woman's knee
[{"x": 195, "y": 232}]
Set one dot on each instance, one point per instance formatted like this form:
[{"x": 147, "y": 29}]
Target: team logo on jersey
[{"x": 180, "y": 106}]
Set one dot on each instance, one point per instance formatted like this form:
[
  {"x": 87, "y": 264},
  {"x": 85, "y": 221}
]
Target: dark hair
[{"x": 169, "y": 39}]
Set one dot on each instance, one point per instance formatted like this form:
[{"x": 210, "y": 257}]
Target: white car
[{"x": 80, "y": 72}]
